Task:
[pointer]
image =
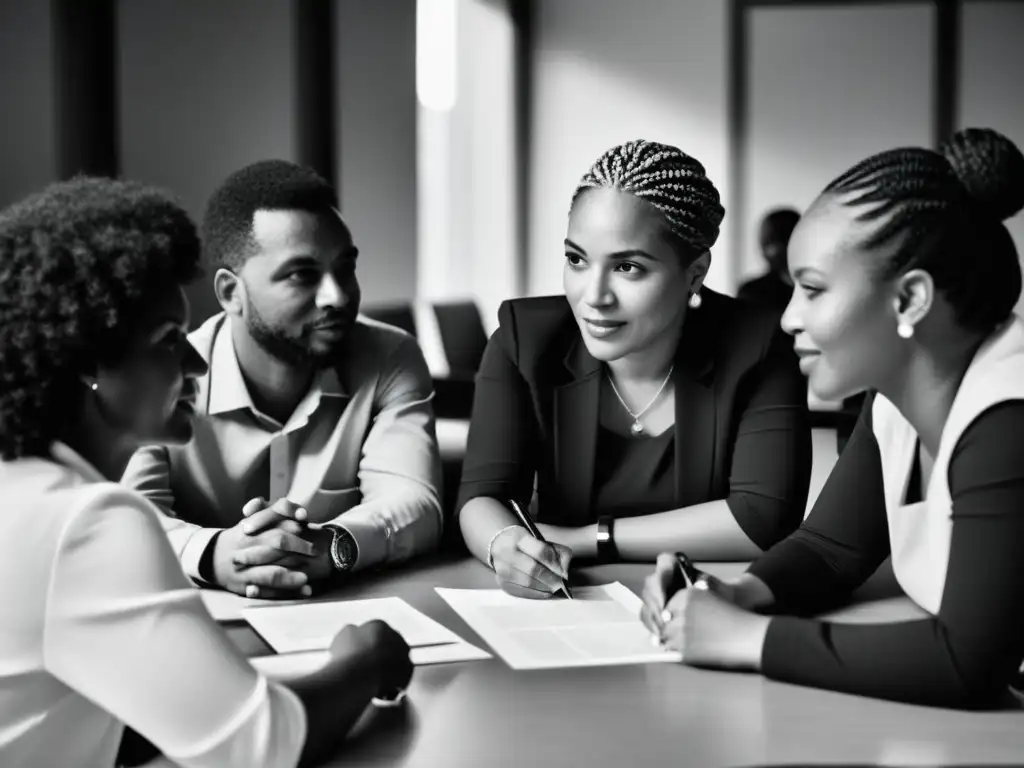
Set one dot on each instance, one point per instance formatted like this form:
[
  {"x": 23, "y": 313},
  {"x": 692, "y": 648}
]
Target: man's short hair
[{"x": 266, "y": 185}]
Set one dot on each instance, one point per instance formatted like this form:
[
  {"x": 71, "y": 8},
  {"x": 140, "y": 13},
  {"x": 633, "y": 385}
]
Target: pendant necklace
[{"x": 638, "y": 428}]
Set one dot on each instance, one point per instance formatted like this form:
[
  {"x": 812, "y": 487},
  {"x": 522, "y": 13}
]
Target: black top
[
  {"x": 634, "y": 476},
  {"x": 741, "y": 431},
  {"x": 963, "y": 657}
]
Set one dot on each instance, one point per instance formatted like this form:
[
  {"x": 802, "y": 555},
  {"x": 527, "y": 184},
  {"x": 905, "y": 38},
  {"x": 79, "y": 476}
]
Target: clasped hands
[{"x": 272, "y": 552}]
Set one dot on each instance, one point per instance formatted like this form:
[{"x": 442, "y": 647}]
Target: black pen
[
  {"x": 690, "y": 573},
  {"x": 534, "y": 531}
]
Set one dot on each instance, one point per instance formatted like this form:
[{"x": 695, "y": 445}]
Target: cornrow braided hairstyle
[
  {"x": 942, "y": 212},
  {"x": 667, "y": 178}
]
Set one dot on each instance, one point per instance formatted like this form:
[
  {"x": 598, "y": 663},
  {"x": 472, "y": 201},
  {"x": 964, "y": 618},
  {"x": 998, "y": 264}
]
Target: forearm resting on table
[
  {"x": 707, "y": 531},
  {"x": 334, "y": 697},
  {"x": 392, "y": 528},
  {"x": 479, "y": 520},
  {"x": 751, "y": 593},
  {"x": 193, "y": 544}
]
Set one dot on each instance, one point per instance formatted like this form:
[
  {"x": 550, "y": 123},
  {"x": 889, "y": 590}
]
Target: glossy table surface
[{"x": 483, "y": 713}]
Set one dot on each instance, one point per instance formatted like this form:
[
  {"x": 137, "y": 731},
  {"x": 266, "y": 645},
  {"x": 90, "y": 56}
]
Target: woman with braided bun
[
  {"x": 640, "y": 411},
  {"x": 906, "y": 279}
]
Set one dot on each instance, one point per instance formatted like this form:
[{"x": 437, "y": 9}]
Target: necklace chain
[{"x": 637, "y": 427}]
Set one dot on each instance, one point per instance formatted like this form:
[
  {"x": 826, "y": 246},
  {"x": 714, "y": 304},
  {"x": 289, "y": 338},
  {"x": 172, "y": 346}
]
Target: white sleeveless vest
[{"x": 919, "y": 534}]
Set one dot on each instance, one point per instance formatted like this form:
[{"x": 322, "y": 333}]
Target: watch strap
[{"x": 607, "y": 552}]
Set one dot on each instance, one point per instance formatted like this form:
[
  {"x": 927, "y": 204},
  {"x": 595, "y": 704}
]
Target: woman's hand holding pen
[
  {"x": 526, "y": 567},
  {"x": 703, "y": 619}
]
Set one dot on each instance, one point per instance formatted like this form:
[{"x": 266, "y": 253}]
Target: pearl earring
[
  {"x": 905, "y": 330},
  {"x": 695, "y": 301}
]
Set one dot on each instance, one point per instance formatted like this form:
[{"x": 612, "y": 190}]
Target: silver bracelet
[{"x": 490, "y": 544}]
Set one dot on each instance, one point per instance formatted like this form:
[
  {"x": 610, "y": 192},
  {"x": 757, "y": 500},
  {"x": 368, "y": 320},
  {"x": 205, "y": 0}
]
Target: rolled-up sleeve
[
  {"x": 503, "y": 442},
  {"x": 149, "y": 473},
  {"x": 400, "y": 467},
  {"x": 125, "y": 629},
  {"x": 771, "y": 457}
]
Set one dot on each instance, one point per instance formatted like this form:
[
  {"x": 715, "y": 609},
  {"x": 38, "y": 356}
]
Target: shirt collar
[
  {"x": 64, "y": 454},
  {"x": 228, "y": 391}
]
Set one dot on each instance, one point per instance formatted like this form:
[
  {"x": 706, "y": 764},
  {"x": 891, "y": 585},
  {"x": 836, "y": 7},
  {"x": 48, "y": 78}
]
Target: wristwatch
[
  {"x": 607, "y": 552},
  {"x": 343, "y": 548}
]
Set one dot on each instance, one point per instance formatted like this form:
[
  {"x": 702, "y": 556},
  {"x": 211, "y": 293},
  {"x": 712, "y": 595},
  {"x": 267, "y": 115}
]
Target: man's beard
[{"x": 294, "y": 351}]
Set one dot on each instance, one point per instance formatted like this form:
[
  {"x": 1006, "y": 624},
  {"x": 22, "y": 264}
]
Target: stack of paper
[
  {"x": 600, "y": 627},
  {"x": 304, "y": 631}
]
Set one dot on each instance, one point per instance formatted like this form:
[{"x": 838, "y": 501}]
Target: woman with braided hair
[
  {"x": 906, "y": 279},
  {"x": 640, "y": 411}
]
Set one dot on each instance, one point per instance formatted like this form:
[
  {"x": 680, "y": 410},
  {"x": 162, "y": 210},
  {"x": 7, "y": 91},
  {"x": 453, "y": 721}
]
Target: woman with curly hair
[
  {"x": 906, "y": 280},
  {"x": 101, "y": 627}
]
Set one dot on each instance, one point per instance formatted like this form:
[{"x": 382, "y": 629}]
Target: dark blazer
[{"x": 742, "y": 431}]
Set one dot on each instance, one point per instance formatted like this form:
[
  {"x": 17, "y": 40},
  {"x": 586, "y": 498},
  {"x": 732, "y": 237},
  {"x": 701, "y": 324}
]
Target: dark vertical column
[
  {"x": 523, "y": 22},
  {"x": 85, "y": 87},
  {"x": 737, "y": 120},
  {"x": 315, "y": 124},
  {"x": 947, "y": 68}
]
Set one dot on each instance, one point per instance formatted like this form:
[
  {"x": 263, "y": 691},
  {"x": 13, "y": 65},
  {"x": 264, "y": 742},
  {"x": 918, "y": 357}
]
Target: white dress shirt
[
  {"x": 101, "y": 628},
  {"x": 359, "y": 451}
]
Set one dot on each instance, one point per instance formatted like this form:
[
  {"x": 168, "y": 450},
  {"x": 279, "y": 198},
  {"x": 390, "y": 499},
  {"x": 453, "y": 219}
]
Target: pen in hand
[
  {"x": 692, "y": 576},
  {"x": 534, "y": 531}
]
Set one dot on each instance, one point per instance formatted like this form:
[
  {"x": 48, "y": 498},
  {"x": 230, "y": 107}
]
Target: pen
[
  {"x": 692, "y": 576},
  {"x": 534, "y": 531}
]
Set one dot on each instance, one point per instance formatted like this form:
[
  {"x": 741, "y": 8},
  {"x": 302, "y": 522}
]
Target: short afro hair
[
  {"x": 272, "y": 185},
  {"x": 80, "y": 262}
]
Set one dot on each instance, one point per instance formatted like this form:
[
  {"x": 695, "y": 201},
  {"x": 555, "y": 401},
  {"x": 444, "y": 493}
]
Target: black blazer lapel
[
  {"x": 696, "y": 409},
  {"x": 576, "y": 415}
]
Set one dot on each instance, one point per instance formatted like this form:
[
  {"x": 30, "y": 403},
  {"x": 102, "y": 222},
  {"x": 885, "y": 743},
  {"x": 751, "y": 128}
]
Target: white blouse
[{"x": 101, "y": 628}]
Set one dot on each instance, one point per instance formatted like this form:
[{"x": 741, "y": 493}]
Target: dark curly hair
[
  {"x": 266, "y": 185},
  {"x": 943, "y": 212},
  {"x": 79, "y": 264}
]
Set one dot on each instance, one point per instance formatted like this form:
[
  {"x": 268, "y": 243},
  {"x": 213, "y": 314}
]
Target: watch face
[{"x": 346, "y": 549}]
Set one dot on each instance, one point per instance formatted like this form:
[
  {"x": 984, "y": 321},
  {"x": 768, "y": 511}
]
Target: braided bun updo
[
  {"x": 670, "y": 180},
  {"x": 942, "y": 212}
]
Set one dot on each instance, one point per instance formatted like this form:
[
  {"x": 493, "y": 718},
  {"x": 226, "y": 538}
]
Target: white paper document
[
  {"x": 227, "y": 606},
  {"x": 600, "y": 627},
  {"x": 303, "y": 663},
  {"x": 312, "y": 626}
]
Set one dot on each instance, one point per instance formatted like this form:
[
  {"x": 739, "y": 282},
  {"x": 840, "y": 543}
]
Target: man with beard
[{"x": 314, "y": 451}]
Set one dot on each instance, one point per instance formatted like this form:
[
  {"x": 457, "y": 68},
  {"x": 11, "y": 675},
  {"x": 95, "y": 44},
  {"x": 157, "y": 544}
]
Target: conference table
[{"x": 483, "y": 713}]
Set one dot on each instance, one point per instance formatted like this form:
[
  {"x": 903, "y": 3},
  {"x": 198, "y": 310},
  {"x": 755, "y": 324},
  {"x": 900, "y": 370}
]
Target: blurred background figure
[{"x": 774, "y": 288}]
